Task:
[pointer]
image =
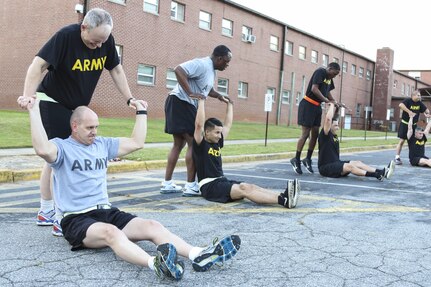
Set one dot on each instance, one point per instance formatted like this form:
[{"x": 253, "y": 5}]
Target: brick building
[{"x": 153, "y": 36}]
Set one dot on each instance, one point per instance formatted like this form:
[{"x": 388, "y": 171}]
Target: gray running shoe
[
  {"x": 398, "y": 161},
  {"x": 166, "y": 264}
]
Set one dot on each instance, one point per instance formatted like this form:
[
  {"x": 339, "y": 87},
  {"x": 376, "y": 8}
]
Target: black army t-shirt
[{"x": 74, "y": 69}]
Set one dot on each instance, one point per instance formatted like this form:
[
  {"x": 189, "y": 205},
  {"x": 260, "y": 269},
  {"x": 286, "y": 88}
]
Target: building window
[
  {"x": 302, "y": 52},
  {"x": 246, "y": 32},
  {"x": 325, "y": 60},
  {"x": 402, "y": 89},
  {"x": 171, "y": 79},
  {"x": 361, "y": 72},
  {"x": 151, "y": 6},
  {"x": 273, "y": 43},
  {"x": 146, "y": 74},
  {"x": 242, "y": 90},
  {"x": 271, "y": 91},
  {"x": 204, "y": 20},
  {"x": 298, "y": 98},
  {"x": 345, "y": 67},
  {"x": 118, "y": 1},
  {"x": 353, "y": 71},
  {"x": 178, "y": 11},
  {"x": 368, "y": 75},
  {"x": 289, "y": 48},
  {"x": 314, "y": 56},
  {"x": 335, "y": 60},
  {"x": 223, "y": 86},
  {"x": 358, "y": 110},
  {"x": 119, "y": 49},
  {"x": 285, "y": 98},
  {"x": 227, "y": 27}
]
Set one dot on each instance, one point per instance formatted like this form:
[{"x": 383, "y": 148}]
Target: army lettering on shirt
[
  {"x": 88, "y": 164},
  {"x": 89, "y": 64}
]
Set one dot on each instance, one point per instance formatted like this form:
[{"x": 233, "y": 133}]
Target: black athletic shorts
[
  {"x": 415, "y": 160},
  {"x": 55, "y": 119},
  {"x": 309, "y": 115},
  {"x": 179, "y": 116},
  {"x": 333, "y": 169},
  {"x": 218, "y": 190},
  {"x": 402, "y": 130},
  {"x": 75, "y": 226}
]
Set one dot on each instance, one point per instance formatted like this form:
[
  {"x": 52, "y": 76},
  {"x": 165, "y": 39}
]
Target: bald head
[{"x": 81, "y": 113}]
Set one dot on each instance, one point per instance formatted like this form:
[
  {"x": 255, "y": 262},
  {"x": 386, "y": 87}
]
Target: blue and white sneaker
[
  {"x": 166, "y": 264},
  {"x": 56, "y": 229},
  {"x": 45, "y": 218},
  {"x": 217, "y": 253}
]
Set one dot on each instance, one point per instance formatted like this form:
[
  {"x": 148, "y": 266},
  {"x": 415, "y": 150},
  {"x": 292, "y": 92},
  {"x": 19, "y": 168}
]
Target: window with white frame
[
  {"x": 285, "y": 97},
  {"x": 227, "y": 27},
  {"x": 146, "y": 75},
  {"x": 289, "y": 48},
  {"x": 204, "y": 20},
  {"x": 223, "y": 86},
  {"x": 325, "y": 60},
  {"x": 368, "y": 75},
  {"x": 353, "y": 71},
  {"x": 178, "y": 11},
  {"x": 118, "y": 1},
  {"x": 119, "y": 49},
  {"x": 302, "y": 52},
  {"x": 345, "y": 67},
  {"x": 273, "y": 43},
  {"x": 271, "y": 91},
  {"x": 298, "y": 98},
  {"x": 361, "y": 72},
  {"x": 335, "y": 60},
  {"x": 314, "y": 56},
  {"x": 242, "y": 90},
  {"x": 246, "y": 31},
  {"x": 358, "y": 110},
  {"x": 171, "y": 79},
  {"x": 402, "y": 89},
  {"x": 151, "y": 6}
]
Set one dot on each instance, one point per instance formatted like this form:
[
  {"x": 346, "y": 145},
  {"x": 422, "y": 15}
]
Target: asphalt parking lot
[{"x": 352, "y": 231}]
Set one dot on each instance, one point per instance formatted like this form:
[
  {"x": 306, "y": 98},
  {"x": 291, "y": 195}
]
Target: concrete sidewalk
[{"x": 18, "y": 164}]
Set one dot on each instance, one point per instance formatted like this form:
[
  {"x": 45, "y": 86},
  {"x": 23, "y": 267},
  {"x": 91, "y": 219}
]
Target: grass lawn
[{"x": 15, "y": 133}]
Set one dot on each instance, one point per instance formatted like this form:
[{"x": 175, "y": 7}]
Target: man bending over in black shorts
[
  {"x": 207, "y": 144},
  {"x": 329, "y": 162},
  {"x": 417, "y": 141}
]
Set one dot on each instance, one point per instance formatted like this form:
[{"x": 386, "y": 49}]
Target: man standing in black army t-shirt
[
  {"x": 310, "y": 113},
  {"x": 75, "y": 58},
  {"x": 329, "y": 162}
]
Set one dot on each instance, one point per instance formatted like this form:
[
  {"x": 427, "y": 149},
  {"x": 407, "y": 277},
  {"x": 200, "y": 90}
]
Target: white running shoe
[
  {"x": 170, "y": 188},
  {"x": 191, "y": 189}
]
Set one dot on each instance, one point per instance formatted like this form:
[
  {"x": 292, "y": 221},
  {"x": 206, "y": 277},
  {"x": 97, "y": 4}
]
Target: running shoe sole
[
  {"x": 224, "y": 250},
  {"x": 390, "y": 169},
  {"x": 168, "y": 255}
]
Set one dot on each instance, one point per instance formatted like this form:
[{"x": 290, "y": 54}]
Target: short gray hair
[{"x": 97, "y": 17}]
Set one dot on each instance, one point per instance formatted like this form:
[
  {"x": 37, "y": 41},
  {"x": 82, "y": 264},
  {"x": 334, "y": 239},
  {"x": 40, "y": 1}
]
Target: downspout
[{"x": 280, "y": 86}]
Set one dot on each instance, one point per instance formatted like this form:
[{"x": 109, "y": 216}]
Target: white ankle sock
[
  {"x": 195, "y": 252},
  {"x": 46, "y": 205},
  {"x": 151, "y": 262},
  {"x": 167, "y": 182}
]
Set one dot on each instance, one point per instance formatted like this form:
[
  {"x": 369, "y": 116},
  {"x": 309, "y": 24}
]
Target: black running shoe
[
  {"x": 296, "y": 165},
  {"x": 307, "y": 163},
  {"x": 291, "y": 194},
  {"x": 381, "y": 174}
]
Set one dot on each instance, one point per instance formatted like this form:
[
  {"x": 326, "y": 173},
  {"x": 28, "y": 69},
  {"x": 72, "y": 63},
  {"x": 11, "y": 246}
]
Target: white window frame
[
  {"x": 223, "y": 89},
  {"x": 150, "y": 76},
  {"x": 171, "y": 79},
  {"x": 205, "y": 20},
  {"x": 325, "y": 60},
  {"x": 314, "y": 56},
  {"x": 227, "y": 27},
  {"x": 273, "y": 43},
  {"x": 285, "y": 98},
  {"x": 242, "y": 90},
  {"x": 245, "y": 32},
  {"x": 368, "y": 74},
  {"x": 289, "y": 48},
  {"x": 119, "y": 49},
  {"x": 271, "y": 91},
  {"x": 353, "y": 70},
  {"x": 361, "y": 72},
  {"x": 302, "y": 52},
  {"x": 151, "y": 6},
  {"x": 345, "y": 65},
  {"x": 178, "y": 11}
]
